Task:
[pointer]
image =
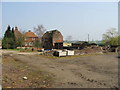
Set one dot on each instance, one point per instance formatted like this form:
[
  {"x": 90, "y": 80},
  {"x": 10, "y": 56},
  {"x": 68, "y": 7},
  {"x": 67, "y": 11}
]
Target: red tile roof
[
  {"x": 30, "y": 34},
  {"x": 17, "y": 32}
]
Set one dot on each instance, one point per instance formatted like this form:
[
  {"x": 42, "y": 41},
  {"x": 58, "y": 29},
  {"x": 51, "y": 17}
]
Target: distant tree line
[{"x": 12, "y": 41}]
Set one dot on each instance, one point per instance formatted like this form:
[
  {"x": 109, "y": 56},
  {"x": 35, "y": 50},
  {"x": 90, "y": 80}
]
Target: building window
[
  {"x": 26, "y": 38},
  {"x": 26, "y": 44},
  {"x": 31, "y": 44},
  {"x": 33, "y": 38}
]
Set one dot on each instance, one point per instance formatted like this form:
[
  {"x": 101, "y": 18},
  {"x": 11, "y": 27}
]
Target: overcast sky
[{"x": 77, "y": 19}]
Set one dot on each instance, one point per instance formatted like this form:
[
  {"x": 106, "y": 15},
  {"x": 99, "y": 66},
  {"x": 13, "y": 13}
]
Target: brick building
[
  {"x": 29, "y": 39},
  {"x": 52, "y": 40}
]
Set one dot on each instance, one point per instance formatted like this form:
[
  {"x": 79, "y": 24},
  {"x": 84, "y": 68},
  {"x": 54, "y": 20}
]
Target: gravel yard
[{"x": 88, "y": 71}]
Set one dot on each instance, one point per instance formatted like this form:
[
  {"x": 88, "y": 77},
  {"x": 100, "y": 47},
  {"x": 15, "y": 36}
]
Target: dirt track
[{"x": 98, "y": 71}]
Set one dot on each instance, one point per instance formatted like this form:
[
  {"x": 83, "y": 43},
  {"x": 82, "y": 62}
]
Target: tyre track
[{"x": 79, "y": 74}]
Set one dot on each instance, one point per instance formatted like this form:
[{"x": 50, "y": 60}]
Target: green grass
[
  {"x": 13, "y": 49},
  {"x": 20, "y": 50}
]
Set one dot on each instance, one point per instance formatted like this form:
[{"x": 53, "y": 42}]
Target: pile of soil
[{"x": 88, "y": 50}]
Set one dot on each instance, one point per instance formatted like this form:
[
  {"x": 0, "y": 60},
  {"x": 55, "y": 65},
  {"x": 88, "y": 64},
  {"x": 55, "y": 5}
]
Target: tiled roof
[
  {"x": 17, "y": 32},
  {"x": 30, "y": 34}
]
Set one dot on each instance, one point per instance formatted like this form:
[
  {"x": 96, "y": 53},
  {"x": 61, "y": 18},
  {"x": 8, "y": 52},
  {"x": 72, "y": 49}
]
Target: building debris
[{"x": 25, "y": 78}]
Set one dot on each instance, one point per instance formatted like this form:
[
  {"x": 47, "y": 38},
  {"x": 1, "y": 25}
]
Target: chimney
[
  {"x": 29, "y": 31},
  {"x": 16, "y": 28}
]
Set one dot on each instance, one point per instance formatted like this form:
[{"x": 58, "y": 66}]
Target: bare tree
[
  {"x": 69, "y": 38},
  {"x": 111, "y": 37},
  {"x": 39, "y": 30},
  {"x": 112, "y": 32}
]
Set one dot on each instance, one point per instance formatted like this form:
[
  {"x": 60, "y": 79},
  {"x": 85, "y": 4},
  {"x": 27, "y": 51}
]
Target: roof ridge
[{"x": 30, "y": 34}]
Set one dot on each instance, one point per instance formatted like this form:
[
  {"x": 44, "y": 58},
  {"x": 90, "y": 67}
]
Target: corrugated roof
[
  {"x": 30, "y": 34},
  {"x": 52, "y": 31}
]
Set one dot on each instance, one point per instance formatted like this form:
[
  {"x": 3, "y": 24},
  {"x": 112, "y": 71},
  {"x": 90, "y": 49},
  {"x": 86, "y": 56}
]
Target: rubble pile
[
  {"x": 88, "y": 50},
  {"x": 49, "y": 53},
  {"x": 65, "y": 52},
  {"x": 59, "y": 53}
]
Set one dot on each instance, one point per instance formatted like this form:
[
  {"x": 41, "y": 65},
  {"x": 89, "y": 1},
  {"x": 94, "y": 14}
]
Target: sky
[{"x": 76, "y": 19}]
